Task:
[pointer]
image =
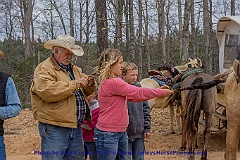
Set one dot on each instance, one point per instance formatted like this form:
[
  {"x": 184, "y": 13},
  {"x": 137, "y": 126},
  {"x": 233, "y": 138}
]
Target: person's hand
[
  {"x": 86, "y": 126},
  {"x": 146, "y": 135},
  {"x": 90, "y": 80},
  {"x": 169, "y": 92},
  {"x": 90, "y": 98},
  {"x": 82, "y": 82},
  {"x": 164, "y": 87}
]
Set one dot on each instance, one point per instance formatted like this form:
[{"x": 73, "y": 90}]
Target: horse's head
[{"x": 193, "y": 63}]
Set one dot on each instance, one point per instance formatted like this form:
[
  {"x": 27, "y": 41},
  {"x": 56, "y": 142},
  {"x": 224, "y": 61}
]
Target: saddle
[{"x": 158, "y": 77}]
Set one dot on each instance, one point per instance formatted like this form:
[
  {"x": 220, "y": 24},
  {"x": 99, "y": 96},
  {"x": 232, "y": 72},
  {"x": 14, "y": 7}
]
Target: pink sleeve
[
  {"x": 133, "y": 93},
  {"x": 95, "y": 114}
]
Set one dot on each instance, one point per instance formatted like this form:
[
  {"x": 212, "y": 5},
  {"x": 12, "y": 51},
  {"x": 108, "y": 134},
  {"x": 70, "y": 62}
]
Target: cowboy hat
[
  {"x": 1, "y": 54},
  {"x": 67, "y": 42},
  {"x": 154, "y": 72}
]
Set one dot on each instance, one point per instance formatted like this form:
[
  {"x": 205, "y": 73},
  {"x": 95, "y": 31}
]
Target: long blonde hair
[{"x": 107, "y": 60}]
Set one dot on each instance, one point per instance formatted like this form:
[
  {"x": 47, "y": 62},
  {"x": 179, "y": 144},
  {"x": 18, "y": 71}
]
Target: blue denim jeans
[
  {"x": 91, "y": 150},
  {"x": 137, "y": 149},
  {"x": 59, "y": 143},
  {"x": 2, "y": 149},
  {"x": 111, "y": 145}
]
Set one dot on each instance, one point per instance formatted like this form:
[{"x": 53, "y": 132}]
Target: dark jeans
[
  {"x": 136, "y": 148},
  {"x": 2, "y": 149},
  {"x": 91, "y": 150},
  {"x": 111, "y": 145}
]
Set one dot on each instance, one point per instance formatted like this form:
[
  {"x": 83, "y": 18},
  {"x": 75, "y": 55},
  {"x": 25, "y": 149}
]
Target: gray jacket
[{"x": 139, "y": 118}]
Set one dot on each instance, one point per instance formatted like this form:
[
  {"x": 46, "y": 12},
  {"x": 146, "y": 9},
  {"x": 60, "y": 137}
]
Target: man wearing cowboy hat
[
  {"x": 10, "y": 105},
  {"x": 58, "y": 100}
]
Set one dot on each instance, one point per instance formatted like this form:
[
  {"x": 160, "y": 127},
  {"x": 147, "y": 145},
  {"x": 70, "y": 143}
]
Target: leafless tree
[
  {"x": 119, "y": 19},
  {"x": 26, "y": 7},
  {"x": 186, "y": 33},
  {"x": 140, "y": 43},
  {"x": 101, "y": 25},
  {"x": 180, "y": 28},
  {"x": 127, "y": 26},
  {"x": 71, "y": 21},
  {"x": 193, "y": 31},
  {"x": 132, "y": 30},
  {"x": 232, "y": 7},
  {"x": 206, "y": 31},
  {"x": 146, "y": 42},
  {"x": 161, "y": 30}
]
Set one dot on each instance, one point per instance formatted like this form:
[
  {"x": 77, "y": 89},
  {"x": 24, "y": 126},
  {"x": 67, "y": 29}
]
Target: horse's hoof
[
  {"x": 203, "y": 158},
  {"x": 191, "y": 157},
  {"x": 182, "y": 148}
]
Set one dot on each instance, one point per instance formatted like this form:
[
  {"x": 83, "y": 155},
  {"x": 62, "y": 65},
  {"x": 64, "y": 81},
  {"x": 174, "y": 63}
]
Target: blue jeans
[
  {"x": 111, "y": 145},
  {"x": 137, "y": 148},
  {"x": 91, "y": 150},
  {"x": 59, "y": 143},
  {"x": 2, "y": 149}
]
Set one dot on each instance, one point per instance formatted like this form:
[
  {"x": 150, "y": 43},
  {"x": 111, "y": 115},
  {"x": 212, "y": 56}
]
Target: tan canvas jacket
[{"x": 53, "y": 94}]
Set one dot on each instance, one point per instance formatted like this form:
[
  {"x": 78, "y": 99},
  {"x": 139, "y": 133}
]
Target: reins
[{"x": 202, "y": 86}]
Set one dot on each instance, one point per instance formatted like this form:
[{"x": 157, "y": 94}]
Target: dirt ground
[{"x": 22, "y": 139}]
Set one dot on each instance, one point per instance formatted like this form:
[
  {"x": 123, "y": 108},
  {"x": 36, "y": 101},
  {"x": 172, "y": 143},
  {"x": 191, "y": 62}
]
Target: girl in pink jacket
[{"x": 110, "y": 132}]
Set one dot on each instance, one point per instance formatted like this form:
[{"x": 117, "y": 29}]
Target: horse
[
  {"x": 163, "y": 102},
  {"x": 231, "y": 91},
  {"x": 193, "y": 101}
]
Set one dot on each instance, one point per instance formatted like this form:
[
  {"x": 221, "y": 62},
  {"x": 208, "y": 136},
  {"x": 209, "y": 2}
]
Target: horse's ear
[{"x": 190, "y": 59}]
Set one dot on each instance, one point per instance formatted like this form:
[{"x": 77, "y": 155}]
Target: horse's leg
[
  {"x": 206, "y": 134},
  {"x": 191, "y": 154},
  {"x": 178, "y": 117},
  {"x": 184, "y": 142},
  {"x": 232, "y": 138},
  {"x": 171, "y": 112},
  {"x": 196, "y": 119}
]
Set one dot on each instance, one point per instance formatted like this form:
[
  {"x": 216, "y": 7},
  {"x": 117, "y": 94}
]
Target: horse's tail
[{"x": 192, "y": 105}]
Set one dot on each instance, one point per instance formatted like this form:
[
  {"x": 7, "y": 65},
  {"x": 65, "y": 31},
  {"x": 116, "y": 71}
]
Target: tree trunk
[
  {"x": 101, "y": 25},
  {"x": 71, "y": 12},
  {"x": 81, "y": 21},
  {"x": 161, "y": 28},
  {"x": 232, "y": 7},
  {"x": 180, "y": 29},
  {"x": 186, "y": 33},
  {"x": 146, "y": 43},
  {"x": 52, "y": 23},
  {"x": 193, "y": 34},
  {"x": 126, "y": 14},
  {"x": 132, "y": 31},
  {"x": 212, "y": 51},
  {"x": 87, "y": 30},
  {"x": 140, "y": 64},
  {"x": 206, "y": 31},
  {"x": 27, "y": 8},
  {"x": 118, "y": 35}
]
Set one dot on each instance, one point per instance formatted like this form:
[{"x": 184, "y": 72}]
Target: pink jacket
[
  {"x": 113, "y": 95},
  {"x": 88, "y": 134}
]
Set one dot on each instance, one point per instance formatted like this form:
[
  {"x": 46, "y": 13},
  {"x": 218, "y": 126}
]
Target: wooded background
[{"x": 148, "y": 32}]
